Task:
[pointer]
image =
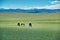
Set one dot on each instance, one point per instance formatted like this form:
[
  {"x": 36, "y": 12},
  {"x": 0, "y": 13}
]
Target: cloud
[
  {"x": 49, "y": 7},
  {"x": 54, "y": 5},
  {"x": 55, "y": 2},
  {"x": 57, "y": 6}
]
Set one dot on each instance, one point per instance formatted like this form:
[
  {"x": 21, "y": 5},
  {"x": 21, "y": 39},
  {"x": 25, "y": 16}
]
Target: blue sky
[{"x": 27, "y": 4}]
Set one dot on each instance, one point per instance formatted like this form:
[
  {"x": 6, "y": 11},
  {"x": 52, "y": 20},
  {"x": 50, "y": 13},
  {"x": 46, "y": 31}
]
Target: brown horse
[
  {"x": 18, "y": 24},
  {"x": 30, "y": 24},
  {"x": 22, "y": 24}
]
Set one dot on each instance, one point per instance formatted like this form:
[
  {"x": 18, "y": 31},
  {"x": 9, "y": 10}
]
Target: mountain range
[{"x": 31, "y": 10}]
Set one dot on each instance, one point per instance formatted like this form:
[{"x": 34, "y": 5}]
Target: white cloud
[
  {"x": 54, "y": 5},
  {"x": 55, "y": 2},
  {"x": 49, "y": 7},
  {"x": 57, "y": 6}
]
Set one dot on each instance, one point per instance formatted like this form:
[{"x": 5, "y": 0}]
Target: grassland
[{"x": 44, "y": 26}]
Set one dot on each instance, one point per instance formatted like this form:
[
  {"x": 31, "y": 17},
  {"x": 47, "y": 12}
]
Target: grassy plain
[{"x": 45, "y": 26}]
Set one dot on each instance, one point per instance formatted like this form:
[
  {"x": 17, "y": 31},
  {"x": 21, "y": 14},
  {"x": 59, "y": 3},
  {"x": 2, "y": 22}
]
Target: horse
[
  {"x": 22, "y": 24},
  {"x": 30, "y": 24},
  {"x": 18, "y": 24}
]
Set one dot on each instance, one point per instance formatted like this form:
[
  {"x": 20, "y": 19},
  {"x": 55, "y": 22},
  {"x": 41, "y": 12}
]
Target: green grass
[
  {"x": 44, "y": 26},
  {"x": 28, "y": 34}
]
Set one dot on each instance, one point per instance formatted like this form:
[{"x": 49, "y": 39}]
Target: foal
[{"x": 22, "y": 24}]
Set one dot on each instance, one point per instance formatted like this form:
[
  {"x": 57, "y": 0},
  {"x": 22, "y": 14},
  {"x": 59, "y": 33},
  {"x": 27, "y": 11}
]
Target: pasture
[{"x": 44, "y": 26}]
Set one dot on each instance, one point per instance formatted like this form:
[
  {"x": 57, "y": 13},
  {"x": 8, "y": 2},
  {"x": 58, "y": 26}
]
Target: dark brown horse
[
  {"x": 18, "y": 24},
  {"x": 30, "y": 24}
]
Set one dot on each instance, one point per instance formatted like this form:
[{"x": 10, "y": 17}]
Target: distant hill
[{"x": 30, "y": 10}]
